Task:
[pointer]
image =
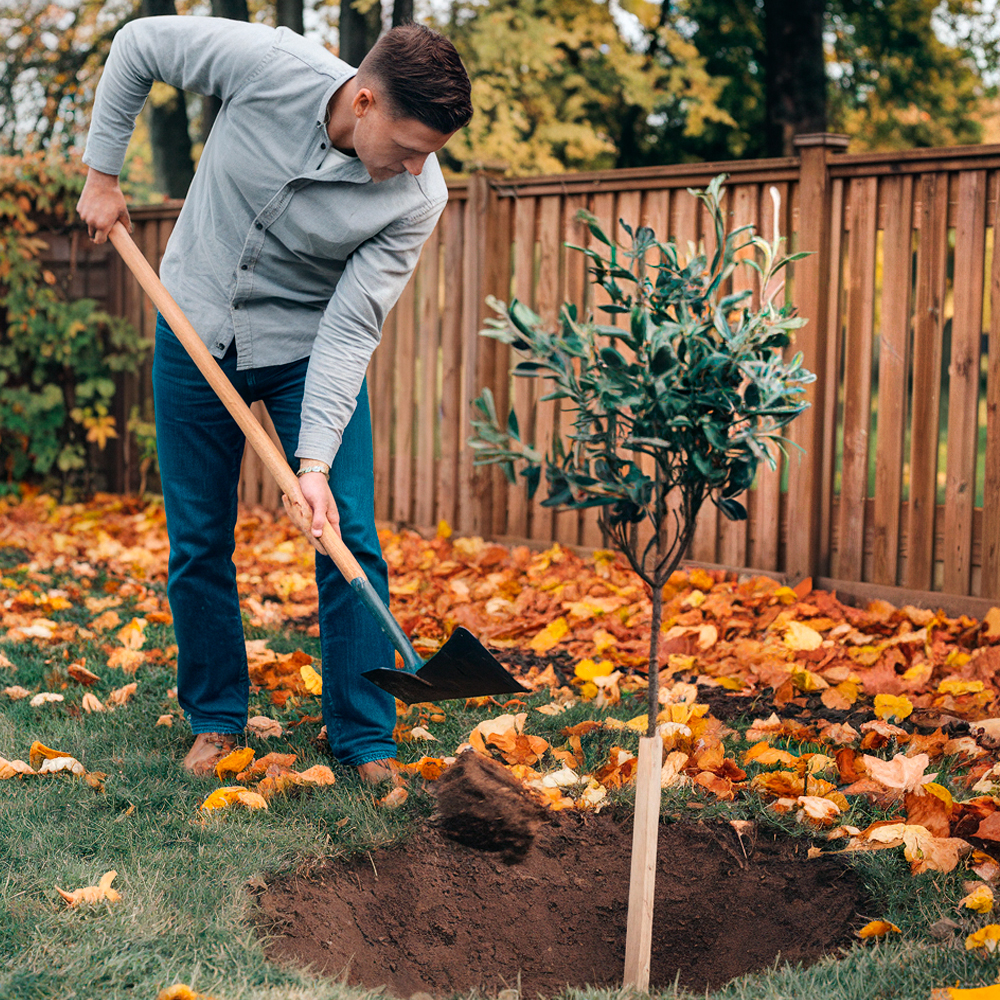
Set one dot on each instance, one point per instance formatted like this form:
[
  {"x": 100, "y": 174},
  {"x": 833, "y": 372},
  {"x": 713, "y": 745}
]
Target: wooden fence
[{"x": 899, "y": 480}]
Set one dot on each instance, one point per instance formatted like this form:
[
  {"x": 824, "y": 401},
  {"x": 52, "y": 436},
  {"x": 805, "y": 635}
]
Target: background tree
[
  {"x": 166, "y": 112},
  {"x": 897, "y": 73},
  {"x": 558, "y": 85}
]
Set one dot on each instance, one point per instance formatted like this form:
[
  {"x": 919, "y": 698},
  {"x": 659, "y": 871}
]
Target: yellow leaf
[
  {"x": 179, "y": 991},
  {"x": 92, "y": 893},
  {"x": 444, "y": 529},
  {"x": 234, "y": 762},
  {"x": 987, "y": 937},
  {"x": 550, "y": 635},
  {"x": 133, "y": 635},
  {"x": 38, "y": 753},
  {"x": 730, "y": 683},
  {"x": 799, "y": 636},
  {"x": 877, "y": 929},
  {"x": 318, "y": 774},
  {"x": 980, "y": 899},
  {"x": 587, "y": 670},
  {"x": 959, "y": 687},
  {"x": 603, "y": 640},
  {"x": 222, "y": 798},
  {"x": 311, "y": 679},
  {"x": 120, "y": 696},
  {"x": 977, "y": 993},
  {"x": 889, "y": 706},
  {"x": 806, "y": 680},
  {"x": 992, "y": 623},
  {"x": 764, "y": 753},
  {"x": 785, "y": 595},
  {"x": 394, "y": 799}
]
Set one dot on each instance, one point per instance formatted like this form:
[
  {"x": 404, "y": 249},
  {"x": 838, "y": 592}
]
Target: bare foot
[
  {"x": 208, "y": 750},
  {"x": 375, "y": 772}
]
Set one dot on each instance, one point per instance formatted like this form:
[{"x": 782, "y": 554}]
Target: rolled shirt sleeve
[{"x": 374, "y": 278}]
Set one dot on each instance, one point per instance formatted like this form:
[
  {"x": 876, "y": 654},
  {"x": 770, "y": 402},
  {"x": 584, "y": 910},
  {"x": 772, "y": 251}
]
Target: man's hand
[
  {"x": 102, "y": 204},
  {"x": 323, "y": 508}
]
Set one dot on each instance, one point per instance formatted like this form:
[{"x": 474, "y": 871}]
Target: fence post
[
  {"x": 805, "y": 474},
  {"x": 475, "y": 493}
]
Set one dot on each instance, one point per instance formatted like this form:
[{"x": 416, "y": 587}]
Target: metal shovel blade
[{"x": 461, "y": 668}]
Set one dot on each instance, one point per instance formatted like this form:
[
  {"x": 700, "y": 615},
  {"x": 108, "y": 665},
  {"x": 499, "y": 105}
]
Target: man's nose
[{"x": 415, "y": 164}]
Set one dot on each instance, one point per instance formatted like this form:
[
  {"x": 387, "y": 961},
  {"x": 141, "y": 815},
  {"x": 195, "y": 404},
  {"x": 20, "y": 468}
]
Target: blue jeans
[{"x": 200, "y": 448}]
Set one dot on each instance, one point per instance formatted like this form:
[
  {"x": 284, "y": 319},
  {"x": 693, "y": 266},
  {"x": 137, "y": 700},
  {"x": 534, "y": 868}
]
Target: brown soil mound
[
  {"x": 435, "y": 916},
  {"x": 481, "y": 804}
]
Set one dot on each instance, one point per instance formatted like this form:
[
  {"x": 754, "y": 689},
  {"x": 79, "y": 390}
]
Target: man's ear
[{"x": 363, "y": 102}]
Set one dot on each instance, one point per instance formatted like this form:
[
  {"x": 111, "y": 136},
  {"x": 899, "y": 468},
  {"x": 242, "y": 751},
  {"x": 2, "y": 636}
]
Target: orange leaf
[
  {"x": 234, "y": 762},
  {"x": 92, "y": 893},
  {"x": 877, "y": 929}
]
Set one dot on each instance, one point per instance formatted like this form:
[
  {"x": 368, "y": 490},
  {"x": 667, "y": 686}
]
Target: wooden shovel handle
[{"x": 259, "y": 439}]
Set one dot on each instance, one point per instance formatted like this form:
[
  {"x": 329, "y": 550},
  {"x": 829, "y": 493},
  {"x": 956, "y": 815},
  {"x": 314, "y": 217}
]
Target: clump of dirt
[
  {"x": 481, "y": 804},
  {"x": 433, "y": 915}
]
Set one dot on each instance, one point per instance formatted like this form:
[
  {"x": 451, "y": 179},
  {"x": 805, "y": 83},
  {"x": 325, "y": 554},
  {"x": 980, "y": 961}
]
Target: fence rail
[{"x": 899, "y": 480}]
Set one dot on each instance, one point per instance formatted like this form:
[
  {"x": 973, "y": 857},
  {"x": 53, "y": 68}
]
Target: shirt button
[
  {"x": 260, "y": 225},
  {"x": 322, "y": 145},
  {"x": 243, "y": 267},
  {"x": 221, "y": 346}
]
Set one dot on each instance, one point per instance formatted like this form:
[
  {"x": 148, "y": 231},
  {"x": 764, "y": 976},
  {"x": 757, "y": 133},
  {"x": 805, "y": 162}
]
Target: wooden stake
[{"x": 642, "y": 879}]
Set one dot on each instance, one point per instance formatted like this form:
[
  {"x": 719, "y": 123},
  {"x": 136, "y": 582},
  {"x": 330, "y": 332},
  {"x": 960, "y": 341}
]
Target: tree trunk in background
[
  {"x": 402, "y": 12},
  {"x": 168, "y": 129},
  {"x": 288, "y": 14},
  {"x": 359, "y": 30},
  {"x": 795, "y": 72},
  {"x": 235, "y": 10}
]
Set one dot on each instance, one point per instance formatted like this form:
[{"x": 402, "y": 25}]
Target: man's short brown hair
[{"x": 421, "y": 76}]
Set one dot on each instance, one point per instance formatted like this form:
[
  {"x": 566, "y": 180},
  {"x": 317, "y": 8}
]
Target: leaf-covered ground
[{"x": 874, "y": 732}]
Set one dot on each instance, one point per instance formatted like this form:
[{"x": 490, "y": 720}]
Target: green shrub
[{"x": 58, "y": 357}]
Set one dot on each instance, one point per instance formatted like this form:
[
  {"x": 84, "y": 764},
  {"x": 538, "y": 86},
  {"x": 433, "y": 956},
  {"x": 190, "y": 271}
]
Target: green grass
[{"x": 185, "y": 913}]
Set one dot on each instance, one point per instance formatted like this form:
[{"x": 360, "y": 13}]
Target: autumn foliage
[{"x": 869, "y": 729}]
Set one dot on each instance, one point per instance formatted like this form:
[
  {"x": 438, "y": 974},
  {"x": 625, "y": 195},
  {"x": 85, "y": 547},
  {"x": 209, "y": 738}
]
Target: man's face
[{"x": 388, "y": 146}]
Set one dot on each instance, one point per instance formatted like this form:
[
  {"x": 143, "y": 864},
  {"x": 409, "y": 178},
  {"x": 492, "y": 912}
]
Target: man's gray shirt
[{"x": 282, "y": 244}]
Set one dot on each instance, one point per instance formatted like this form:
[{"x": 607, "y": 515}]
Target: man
[{"x": 313, "y": 197}]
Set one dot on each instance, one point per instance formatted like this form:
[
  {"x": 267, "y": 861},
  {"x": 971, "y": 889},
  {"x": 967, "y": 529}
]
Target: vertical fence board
[
  {"x": 765, "y": 524},
  {"x": 963, "y": 381},
  {"x": 446, "y": 494},
  {"x": 829, "y": 372},
  {"x": 745, "y": 212},
  {"x": 501, "y": 357},
  {"x": 860, "y": 281},
  {"x": 547, "y": 306},
  {"x": 427, "y": 357},
  {"x": 570, "y": 524},
  {"x": 928, "y": 331},
  {"x": 522, "y": 389},
  {"x": 402, "y": 466},
  {"x": 603, "y": 208},
  {"x": 693, "y": 218},
  {"x": 894, "y": 336},
  {"x": 991, "y": 477},
  {"x": 475, "y": 499}
]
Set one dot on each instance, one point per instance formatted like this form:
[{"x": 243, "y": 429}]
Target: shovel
[{"x": 462, "y": 668}]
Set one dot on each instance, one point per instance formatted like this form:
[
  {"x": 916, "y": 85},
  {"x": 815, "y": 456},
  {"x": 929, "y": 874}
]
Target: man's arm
[
  {"x": 203, "y": 54},
  {"x": 374, "y": 278}
]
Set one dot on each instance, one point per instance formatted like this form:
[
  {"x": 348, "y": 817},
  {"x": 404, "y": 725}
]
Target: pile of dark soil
[{"x": 438, "y": 916}]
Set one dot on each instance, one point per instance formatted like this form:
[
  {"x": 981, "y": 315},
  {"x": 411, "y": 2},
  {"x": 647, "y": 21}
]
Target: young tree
[{"x": 676, "y": 406}]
